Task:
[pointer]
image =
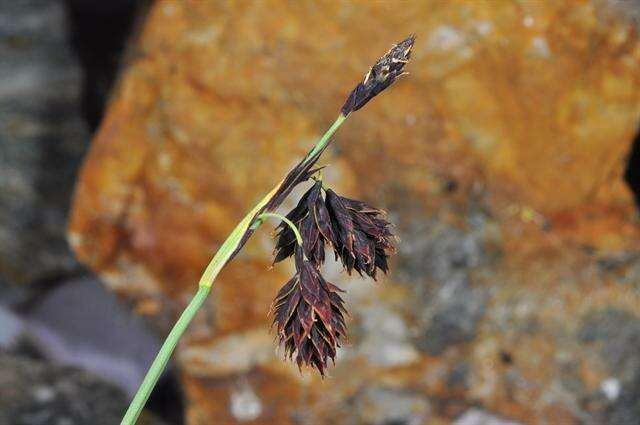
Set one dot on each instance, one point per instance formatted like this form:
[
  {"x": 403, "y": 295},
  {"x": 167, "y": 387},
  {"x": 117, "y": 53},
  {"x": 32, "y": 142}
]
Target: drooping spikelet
[
  {"x": 364, "y": 237},
  {"x": 309, "y": 315}
]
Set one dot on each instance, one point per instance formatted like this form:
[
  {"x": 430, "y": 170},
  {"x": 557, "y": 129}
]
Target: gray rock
[
  {"x": 42, "y": 139},
  {"x": 457, "y": 315},
  {"x": 244, "y": 403},
  {"x": 626, "y": 409},
  {"x": 435, "y": 251},
  {"x": 616, "y": 334},
  {"x": 458, "y": 376},
  {"x": 438, "y": 260},
  {"x": 11, "y": 329},
  {"x": 386, "y": 337},
  {"x": 631, "y": 9},
  {"x": 36, "y": 393},
  {"x": 80, "y": 323},
  {"x": 481, "y": 417},
  {"x": 384, "y": 406}
]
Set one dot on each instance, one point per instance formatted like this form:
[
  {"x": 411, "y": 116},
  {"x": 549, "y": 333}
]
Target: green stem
[
  {"x": 325, "y": 138},
  {"x": 161, "y": 360},
  {"x": 293, "y": 227},
  {"x": 204, "y": 287}
]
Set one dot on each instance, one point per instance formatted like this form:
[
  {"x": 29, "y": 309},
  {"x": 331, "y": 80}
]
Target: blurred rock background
[
  {"x": 507, "y": 161},
  {"x": 70, "y": 351}
]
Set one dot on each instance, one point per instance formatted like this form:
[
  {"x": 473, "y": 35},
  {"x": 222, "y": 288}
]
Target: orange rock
[{"x": 500, "y": 159}]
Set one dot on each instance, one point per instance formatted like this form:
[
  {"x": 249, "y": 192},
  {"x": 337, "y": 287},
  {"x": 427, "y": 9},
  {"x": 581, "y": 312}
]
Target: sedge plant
[{"x": 308, "y": 312}]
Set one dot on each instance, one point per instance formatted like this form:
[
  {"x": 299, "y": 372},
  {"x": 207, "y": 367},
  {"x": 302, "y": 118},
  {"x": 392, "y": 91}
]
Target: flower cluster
[
  {"x": 358, "y": 233},
  {"x": 308, "y": 311}
]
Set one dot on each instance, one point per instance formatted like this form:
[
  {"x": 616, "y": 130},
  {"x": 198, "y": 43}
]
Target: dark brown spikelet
[
  {"x": 312, "y": 219},
  {"x": 308, "y": 313},
  {"x": 381, "y": 75},
  {"x": 364, "y": 239}
]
